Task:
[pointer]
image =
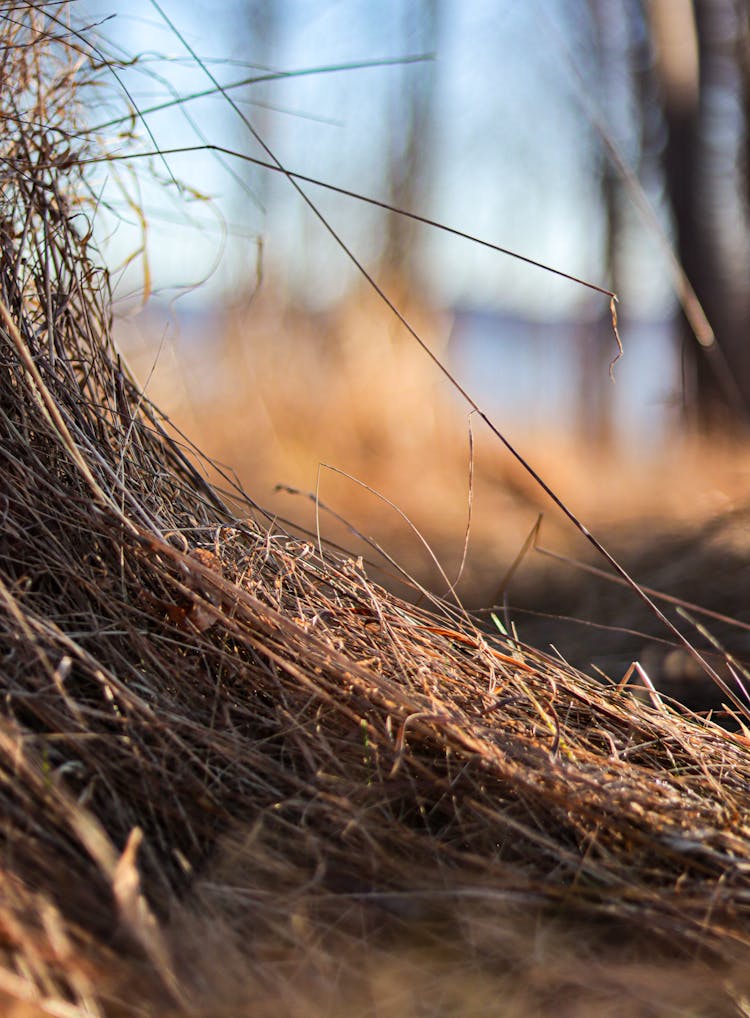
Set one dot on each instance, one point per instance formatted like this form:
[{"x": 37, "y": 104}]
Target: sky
[{"x": 513, "y": 155}]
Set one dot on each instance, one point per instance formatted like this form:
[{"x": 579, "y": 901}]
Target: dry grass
[
  {"x": 275, "y": 394},
  {"x": 278, "y": 394},
  {"x": 238, "y": 777}
]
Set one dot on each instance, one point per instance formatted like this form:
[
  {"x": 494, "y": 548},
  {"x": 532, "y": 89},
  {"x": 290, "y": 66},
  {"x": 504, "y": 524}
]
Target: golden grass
[
  {"x": 239, "y": 777},
  {"x": 317, "y": 404}
]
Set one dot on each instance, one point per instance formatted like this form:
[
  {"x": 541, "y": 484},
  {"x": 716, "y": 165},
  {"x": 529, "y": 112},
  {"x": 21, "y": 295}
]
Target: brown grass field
[
  {"x": 239, "y": 774},
  {"x": 343, "y": 410}
]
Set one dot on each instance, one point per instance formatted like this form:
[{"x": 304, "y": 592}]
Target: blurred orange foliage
[{"x": 273, "y": 393}]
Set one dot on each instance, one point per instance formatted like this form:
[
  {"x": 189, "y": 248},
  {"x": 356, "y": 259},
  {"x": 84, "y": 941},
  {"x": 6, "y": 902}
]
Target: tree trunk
[{"x": 698, "y": 47}]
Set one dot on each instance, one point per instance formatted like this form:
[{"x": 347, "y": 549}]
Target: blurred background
[{"x": 606, "y": 139}]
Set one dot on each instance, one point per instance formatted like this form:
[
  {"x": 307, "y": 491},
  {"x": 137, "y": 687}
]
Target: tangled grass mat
[{"x": 238, "y": 777}]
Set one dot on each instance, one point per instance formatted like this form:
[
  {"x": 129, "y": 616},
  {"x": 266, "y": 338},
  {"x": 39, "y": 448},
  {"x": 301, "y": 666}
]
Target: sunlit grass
[{"x": 319, "y": 403}]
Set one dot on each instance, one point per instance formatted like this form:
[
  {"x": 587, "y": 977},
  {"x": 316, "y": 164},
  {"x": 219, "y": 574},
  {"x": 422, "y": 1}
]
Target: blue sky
[{"x": 513, "y": 157}]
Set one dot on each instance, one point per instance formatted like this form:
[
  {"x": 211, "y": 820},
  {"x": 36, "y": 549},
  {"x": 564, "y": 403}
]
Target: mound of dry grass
[{"x": 239, "y": 777}]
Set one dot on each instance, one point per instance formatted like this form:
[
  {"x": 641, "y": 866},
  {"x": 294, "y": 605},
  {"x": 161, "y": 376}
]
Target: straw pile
[{"x": 237, "y": 775}]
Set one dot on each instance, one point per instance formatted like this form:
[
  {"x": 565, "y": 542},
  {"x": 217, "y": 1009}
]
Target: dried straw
[{"x": 204, "y": 716}]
